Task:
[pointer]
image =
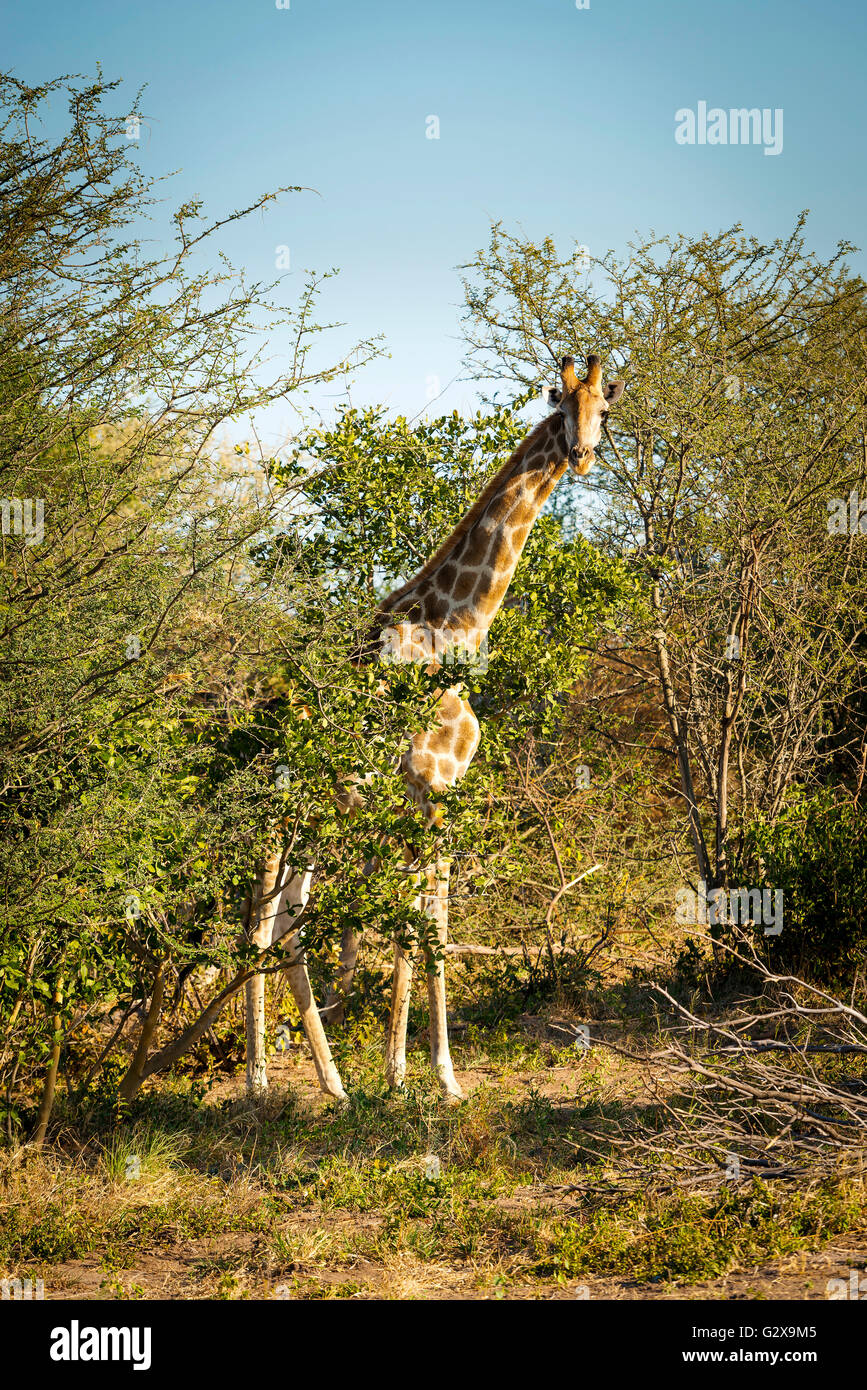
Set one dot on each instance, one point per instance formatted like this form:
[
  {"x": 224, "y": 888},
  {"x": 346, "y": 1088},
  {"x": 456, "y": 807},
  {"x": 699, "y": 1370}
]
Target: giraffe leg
[
  {"x": 299, "y": 983},
  {"x": 395, "y": 1042},
  {"x": 263, "y": 915},
  {"x": 335, "y": 1003},
  {"x": 350, "y": 944},
  {"x": 398, "y": 1015},
  {"x": 436, "y": 905},
  {"x": 280, "y": 896},
  {"x": 257, "y": 1070}
]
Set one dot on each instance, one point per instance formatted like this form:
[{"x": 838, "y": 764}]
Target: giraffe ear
[
  {"x": 552, "y": 395},
  {"x": 613, "y": 391}
]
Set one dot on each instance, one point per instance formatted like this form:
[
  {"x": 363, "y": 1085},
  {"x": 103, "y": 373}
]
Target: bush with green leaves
[
  {"x": 816, "y": 852},
  {"x": 133, "y": 624}
]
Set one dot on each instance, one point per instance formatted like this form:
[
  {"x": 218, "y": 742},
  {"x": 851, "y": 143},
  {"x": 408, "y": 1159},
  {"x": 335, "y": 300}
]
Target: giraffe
[{"x": 447, "y": 607}]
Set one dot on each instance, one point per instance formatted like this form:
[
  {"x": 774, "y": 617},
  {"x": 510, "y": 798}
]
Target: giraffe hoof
[{"x": 451, "y": 1092}]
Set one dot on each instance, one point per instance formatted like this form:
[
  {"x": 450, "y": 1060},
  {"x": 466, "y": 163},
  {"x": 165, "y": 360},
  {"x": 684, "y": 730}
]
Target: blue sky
[{"x": 557, "y": 120}]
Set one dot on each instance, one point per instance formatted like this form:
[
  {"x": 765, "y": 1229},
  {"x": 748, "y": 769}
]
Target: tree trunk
[
  {"x": 46, "y": 1105},
  {"x": 136, "y": 1074}
]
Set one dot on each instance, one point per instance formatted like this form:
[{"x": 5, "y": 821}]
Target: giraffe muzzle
[{"x": 581, "y": 460}]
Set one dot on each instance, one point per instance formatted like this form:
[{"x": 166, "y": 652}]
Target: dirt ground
[
  {"x": 177, "y": 1273},
  {"x": 197, "y": 1269}
]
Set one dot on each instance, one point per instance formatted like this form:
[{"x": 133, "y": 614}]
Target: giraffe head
[{"x": 584, "y": 406}]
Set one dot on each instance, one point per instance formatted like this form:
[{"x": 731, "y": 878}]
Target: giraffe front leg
[
  {"x": 398, "y": 1016},
  {"x": 436, "y": 905}
]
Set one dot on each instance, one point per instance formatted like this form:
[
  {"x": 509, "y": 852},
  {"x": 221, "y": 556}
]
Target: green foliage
[
  {"x": 135, "y": 793},
  {"x": 741, "y": 431},
  {"x": 691, "y": 1238},
  {"x": 816, "y": 852}
]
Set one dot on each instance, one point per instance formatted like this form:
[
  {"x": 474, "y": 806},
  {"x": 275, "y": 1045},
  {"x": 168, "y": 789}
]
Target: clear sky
[{"x": 554, "y": 119}]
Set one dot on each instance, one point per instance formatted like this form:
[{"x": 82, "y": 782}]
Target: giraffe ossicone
[{"x": 441, "y": 615}]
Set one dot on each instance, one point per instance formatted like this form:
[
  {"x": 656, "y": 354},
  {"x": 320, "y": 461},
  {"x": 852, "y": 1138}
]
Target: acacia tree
[
  {"x": 125, "y": 579},
  {"x": 742, "y": 428}
]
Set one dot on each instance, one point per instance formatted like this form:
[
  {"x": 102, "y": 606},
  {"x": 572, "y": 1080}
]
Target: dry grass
[{"x": 567, "y": 1171}]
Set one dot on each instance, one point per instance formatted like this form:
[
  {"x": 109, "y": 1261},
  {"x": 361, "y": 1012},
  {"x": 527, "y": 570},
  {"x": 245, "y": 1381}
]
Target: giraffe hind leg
[
  {"x": 257, "y": 1069},
  {"x": 302, "y": 993},
  {"x": 334, "y": 1008},
  {"x": 281, "y": 895}
]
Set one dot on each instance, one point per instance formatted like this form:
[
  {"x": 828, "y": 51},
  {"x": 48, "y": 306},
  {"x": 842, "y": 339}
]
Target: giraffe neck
[{"x": 464, "y": 583}]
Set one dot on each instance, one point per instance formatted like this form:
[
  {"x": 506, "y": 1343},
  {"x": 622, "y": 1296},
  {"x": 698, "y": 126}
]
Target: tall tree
[{"x": 740, "y": 435}]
